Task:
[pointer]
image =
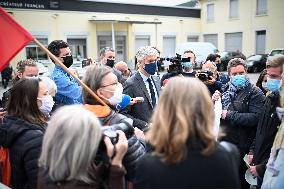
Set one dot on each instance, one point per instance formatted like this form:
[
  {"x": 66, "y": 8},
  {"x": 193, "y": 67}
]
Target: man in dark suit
[{"x": 143, "y": 84}]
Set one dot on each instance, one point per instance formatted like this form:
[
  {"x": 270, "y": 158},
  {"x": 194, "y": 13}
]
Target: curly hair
[{"x": 55, "y": 46}]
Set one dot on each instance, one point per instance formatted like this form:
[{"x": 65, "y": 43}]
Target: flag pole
[{"x": 58, "y": 62}]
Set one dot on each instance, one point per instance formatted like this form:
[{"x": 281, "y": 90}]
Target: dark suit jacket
[{"x": 140, "y": 112}]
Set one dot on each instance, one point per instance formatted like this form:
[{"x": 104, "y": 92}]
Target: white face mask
[
  {"x": 46, "y": 104},
  {"x": 117, "y": 95}
]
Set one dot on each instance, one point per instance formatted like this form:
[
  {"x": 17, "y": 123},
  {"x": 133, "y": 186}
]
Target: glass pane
[
  {"x": 261, "y": 7},
  {"x": 31, "y": 52},
  {"x": 234, "y": 8},
  {"x": 210, "y": 12},
  {"x": 41, "y": 55}
]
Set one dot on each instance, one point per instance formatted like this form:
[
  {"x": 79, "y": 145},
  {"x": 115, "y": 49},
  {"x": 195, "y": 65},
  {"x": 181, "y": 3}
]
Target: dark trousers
[{"x": 5, "y": 82}]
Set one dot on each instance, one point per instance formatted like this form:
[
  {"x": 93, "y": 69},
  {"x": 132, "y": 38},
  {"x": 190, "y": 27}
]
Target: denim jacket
[{"x": 68, "y": 90}]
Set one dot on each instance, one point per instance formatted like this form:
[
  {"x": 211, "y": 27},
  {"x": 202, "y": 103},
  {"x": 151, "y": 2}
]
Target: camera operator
[
  {"x": 181, "y": 66},
  {"x": 188, "y": 66},
  {"x": 208, "y": 75},
  {"x": 224, "y": 78},
  {"x": 70, "y": 145}
]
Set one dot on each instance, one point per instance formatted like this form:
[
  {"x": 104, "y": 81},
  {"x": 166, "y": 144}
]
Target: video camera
[
  {"x": 205, "y": 75},
  {"x": 176, "y": 66}
]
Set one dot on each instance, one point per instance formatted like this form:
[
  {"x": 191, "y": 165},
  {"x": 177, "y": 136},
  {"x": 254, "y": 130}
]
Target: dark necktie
[{"x": 153, "y": 97}]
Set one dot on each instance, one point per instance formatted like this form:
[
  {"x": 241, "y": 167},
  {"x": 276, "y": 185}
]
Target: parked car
[
  {"x": 226, "y": 57},
  {"x": 256, "y": 63},
  {"x": 276, "y": 52},
  {"x": 200, "y": 49},
  {"x": 77, "y": 66}
]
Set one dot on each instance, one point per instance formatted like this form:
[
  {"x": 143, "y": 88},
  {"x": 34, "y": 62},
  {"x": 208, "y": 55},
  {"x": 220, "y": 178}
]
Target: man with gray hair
[
  {"x": 209, "y": 70},
  {"x": 143, "y": 84}
]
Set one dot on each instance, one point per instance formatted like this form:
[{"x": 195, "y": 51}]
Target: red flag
[{"x": 13, "y": 38}]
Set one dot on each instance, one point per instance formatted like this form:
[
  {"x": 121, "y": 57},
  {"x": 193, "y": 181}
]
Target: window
[
  {"x": 141, "y": 40},
  {"x": 233, "y": 41},
  {"x": 210, "y": 12},
  {"x": 78, "y": 47},
  {"x": 260, "y": 42},
  {"x": 261, "y": 7},
  {"x": 234, "y": 8},
  {"x": 33, "y": 51},
  {"x": 211, "y": 38},
  {"x": 169, "y": 45},
  {"x": 193, "y": 38},
  {"x": 120, "y": 46}
]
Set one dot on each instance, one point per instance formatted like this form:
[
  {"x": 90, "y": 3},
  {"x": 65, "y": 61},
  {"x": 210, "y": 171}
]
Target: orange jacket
[{"x": 6, "y": 166}]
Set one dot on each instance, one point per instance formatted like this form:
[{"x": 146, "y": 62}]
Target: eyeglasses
[{"x": 116, "y": 83}]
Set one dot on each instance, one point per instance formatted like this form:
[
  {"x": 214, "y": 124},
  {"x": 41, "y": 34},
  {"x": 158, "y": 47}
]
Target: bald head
[
  {"x": 123, "y": 68},
  {"x": 209, "y": 66}
]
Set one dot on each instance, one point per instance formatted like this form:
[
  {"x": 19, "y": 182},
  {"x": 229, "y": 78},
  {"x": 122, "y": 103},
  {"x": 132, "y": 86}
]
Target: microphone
[{"x": 124, "y": 102}]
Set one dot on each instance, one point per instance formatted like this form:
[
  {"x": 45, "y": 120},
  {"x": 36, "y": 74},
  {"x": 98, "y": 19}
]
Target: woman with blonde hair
[
  {"x": 186, "y": 154},
  {"x": 69, "y": 149}
]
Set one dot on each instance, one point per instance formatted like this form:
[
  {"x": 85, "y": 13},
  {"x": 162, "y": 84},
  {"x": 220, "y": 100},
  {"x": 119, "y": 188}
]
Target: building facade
[
  {"x": 90, "y": 26},
  {"x": 249, "y": 26}
]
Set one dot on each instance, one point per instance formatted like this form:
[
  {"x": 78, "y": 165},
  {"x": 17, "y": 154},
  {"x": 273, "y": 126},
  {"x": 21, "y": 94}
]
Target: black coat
[
  {"x": 139, "y": 112},
  {"x": 136, "y": 147},
  {"x": 266, "y": 130},
  {"x": 7, "y": 72},
  {"x": 24, "y": 141},
  {"x": 243, "y": 114},
  {"x": 216, "y": 171}
]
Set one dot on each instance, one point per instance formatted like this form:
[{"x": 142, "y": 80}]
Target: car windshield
[
  {"x": 254, "y": 57},
  {"x": 274, "y": 52}
]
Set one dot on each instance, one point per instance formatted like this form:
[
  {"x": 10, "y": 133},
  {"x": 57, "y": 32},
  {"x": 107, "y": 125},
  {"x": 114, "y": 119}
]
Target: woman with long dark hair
[{"x": 21, "y": 131}]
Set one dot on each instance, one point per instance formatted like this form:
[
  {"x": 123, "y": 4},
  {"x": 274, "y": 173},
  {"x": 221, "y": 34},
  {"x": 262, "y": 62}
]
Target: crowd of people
[{"x": 55, "y": 134}]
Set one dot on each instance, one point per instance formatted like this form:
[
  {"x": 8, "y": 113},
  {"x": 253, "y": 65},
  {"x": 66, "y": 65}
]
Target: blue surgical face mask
[
  {"x": 273, "y": 84},
  {"x": 187, "y": 64},
  {"x": 264, "y": 85},
  {"x": 239, "y": 81},
  {"x": 151, "y": 68}
]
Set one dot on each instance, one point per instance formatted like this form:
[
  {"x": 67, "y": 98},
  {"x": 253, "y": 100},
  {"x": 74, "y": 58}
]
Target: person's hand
[
  {"x": 224, "y": 114},
  {"x": 2, "y": 113},
  {"x": 136, "y": 100},
  {"x": 210, "y": 81},
  {"x": 73, "y": 71},
  {"x": 197, "y": 74},
  {"x": 116, "y": 152},
  {"x": 139, "y": 133},
  {"x": 216, "y": 95},
  {"x": 253, "y": 171},
  {"x": 250, "y": 158},
  {"x": 165, "y": 82}
]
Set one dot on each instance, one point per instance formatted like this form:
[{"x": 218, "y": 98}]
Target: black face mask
[
  {"x": 68, "y": 61},
  {"x": 110, "y": 63}
]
